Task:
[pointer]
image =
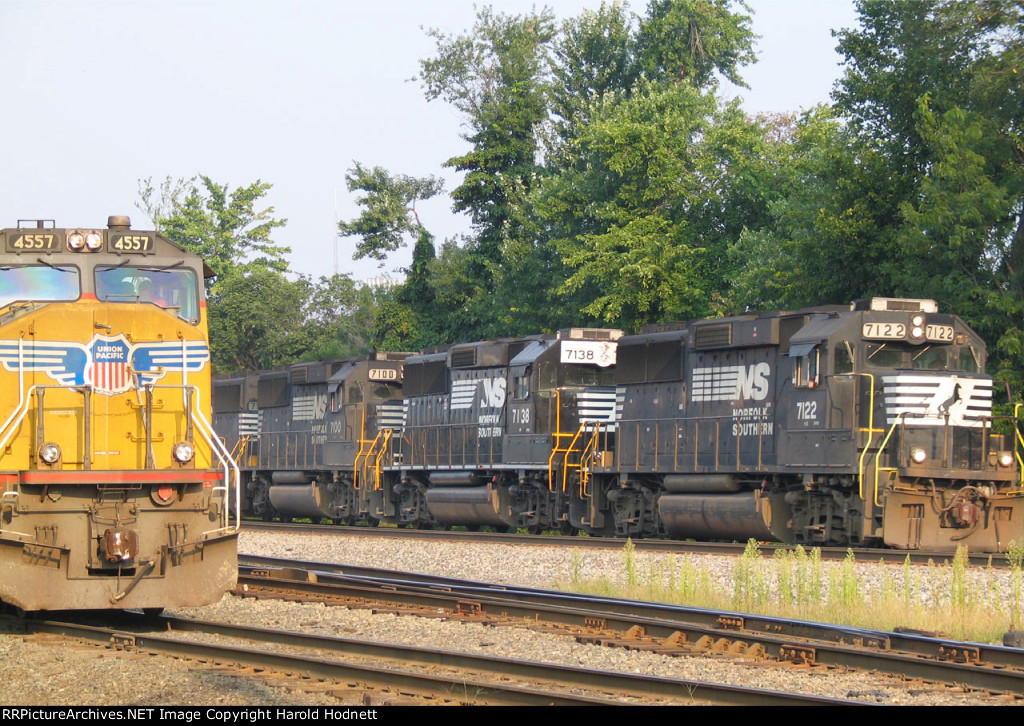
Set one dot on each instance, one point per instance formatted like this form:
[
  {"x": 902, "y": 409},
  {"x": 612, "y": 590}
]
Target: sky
[{"x": 100, "y": 95}]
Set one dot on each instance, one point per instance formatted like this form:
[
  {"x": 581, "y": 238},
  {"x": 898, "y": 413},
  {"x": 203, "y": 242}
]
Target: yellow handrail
[
  {"x": 362, "y": 452},
  {"x": 878, "y": 455},
  {"x": 1020, "y": 440},
  {"x": 378, "y": 459},
  {"x": 871, "y": 435}
]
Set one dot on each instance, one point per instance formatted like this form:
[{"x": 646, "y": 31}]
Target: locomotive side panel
[{"x": 818, "y": 430}]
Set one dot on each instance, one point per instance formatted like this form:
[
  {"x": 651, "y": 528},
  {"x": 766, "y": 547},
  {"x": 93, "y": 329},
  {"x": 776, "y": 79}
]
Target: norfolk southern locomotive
[{"x": 868, "y": 424}]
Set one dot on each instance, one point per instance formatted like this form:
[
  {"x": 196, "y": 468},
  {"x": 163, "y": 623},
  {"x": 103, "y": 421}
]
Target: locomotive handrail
[
  {"x": 22, "y": 411},
  {"x": 586, "y": 454},
  {"x": 557, "y": 435},
  {"x": 3, "y": 505},
  {"x": 680, "y": 424},
  {"x": 565, "y": 461},
  {"x": 377, "y": 455},
  {"x": 378, "y": 459},
  {"x": 1020, "y": 440},
  {"x": 881, "y": 449},
  {"x": 238, "y": 450},
  {"x": 359, "y": 454},
  {"x": 21, "y": 389},
  {"x": 471, "y": 453},
  {"x": 229, "y": 465},
  {"x": 871, "y": 434}
]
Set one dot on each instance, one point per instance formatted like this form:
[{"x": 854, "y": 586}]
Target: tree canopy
[
  {"x": 607, "y": 184},
  {"x": 259, "y": 315}
]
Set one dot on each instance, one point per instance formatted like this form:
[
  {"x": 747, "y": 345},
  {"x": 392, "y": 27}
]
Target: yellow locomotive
[{"x": 114, "y": 490}]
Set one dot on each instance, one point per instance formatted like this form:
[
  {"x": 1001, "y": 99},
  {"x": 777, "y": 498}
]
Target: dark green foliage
[
  {"x": 259, "y": 317},
  {"x": 607, "y": 185}
]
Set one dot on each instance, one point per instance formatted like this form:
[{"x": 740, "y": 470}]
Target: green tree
[
  {"x": 388, "y": 217},
  {"x": 594, "y": 54},
  {"x": 692, "y": 40},
  {"x": 496, "y": 76},
  {"x": 388, "y": 205},
  {"x": 932, "y": 93},
  {"x": 337, "y": 316},
  {"x": 665, "y": 180},
  {"x": 253, "y": 315},
  {"x": 259, "y": 317},
  {"x": 829, "y": 208},
  {"x": 224, "y": 227}
]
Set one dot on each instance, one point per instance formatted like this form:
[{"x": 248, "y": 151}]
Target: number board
[
  {"x": 593, "y": 352},
  {"x": 941, "y": 333},
  {"x": 885, "y": 331},
  {"x": 132, "y": 244},
  {"x": 34, "y": 241},
  {"x": 382, "y": 374}
]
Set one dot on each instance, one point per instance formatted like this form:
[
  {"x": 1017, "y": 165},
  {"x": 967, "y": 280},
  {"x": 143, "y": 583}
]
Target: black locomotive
[{"x": 866, "y": 424}]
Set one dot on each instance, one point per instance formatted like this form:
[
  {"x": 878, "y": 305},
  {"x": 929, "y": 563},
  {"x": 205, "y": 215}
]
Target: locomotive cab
[{"x": 901, "y": 388}]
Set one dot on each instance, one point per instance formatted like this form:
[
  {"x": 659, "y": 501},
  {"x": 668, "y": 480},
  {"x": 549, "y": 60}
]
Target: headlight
[
  {"x": 76, "y": 240},
  {"x": 918, "y": 455},
  {"x": 183, "y": 452},
  {"x": 93, "y": 241},
  {"x": 1005, "y": 459},
  {"x": 49, "y": 453}
]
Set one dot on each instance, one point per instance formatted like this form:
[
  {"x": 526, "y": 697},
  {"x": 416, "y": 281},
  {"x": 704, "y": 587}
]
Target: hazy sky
[{"x": 99, "y": 95}]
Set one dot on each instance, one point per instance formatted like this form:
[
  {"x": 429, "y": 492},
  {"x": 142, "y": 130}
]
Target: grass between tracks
[{"x": 969, "y": 603}]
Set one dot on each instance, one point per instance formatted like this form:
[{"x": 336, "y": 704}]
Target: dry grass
[{"x": 969, "y": 603}]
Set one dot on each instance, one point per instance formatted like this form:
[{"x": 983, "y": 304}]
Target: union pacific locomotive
[
  {"x": 868, "y": 424},
  {"x": 114, "y": 491}
]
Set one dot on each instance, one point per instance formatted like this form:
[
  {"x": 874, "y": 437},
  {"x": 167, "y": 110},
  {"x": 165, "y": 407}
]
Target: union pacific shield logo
[
  {"x": 108, "y": 370},
  {"x": 107, "y": 364}
]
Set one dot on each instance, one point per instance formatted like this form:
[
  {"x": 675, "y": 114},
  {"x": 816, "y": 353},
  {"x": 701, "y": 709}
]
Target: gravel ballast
[{"x": 37, "y": 673}]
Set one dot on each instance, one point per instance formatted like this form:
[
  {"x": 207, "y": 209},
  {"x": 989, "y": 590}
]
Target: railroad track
[
  {"x": 661, "y": 628},
  {"x": 643, "y": 545},
  {"x": 372, "y": 673}
]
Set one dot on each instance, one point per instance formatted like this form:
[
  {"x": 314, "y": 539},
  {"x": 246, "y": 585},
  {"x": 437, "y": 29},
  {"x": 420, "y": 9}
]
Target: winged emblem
[{"x": 109, "y": 364}]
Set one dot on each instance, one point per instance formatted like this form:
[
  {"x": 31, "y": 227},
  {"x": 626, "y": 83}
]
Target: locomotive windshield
[
  {"x": 555, "y": 375},
  {"x": 39, "y": 282},
  {"x": 923, "y": 358},
  {"x": 174, "y": 289}
]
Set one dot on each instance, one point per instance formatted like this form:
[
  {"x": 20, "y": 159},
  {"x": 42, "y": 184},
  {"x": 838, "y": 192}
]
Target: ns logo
[
  {"x": 492, "y": 393},
  {"x": 731, "y": 383}
]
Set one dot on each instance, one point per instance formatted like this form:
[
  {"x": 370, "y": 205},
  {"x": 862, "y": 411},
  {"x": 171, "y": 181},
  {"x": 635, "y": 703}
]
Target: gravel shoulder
[{"x": 37, "y": 673}]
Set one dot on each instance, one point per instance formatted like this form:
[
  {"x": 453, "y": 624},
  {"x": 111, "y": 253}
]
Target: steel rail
[
  {"x": 982, "y": 666},
  {"x": 470, "y": 679}
]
